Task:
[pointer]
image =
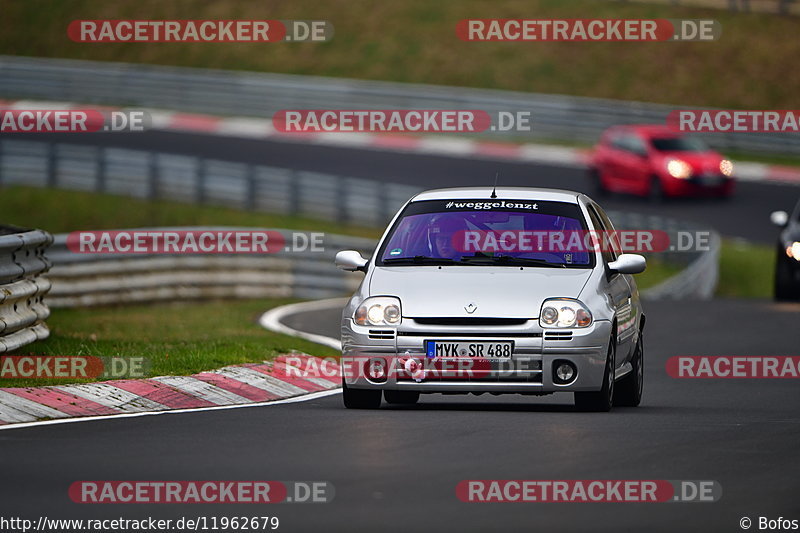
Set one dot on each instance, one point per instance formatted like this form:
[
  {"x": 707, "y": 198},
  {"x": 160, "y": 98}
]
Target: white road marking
[{"x": 271, "y": 320}]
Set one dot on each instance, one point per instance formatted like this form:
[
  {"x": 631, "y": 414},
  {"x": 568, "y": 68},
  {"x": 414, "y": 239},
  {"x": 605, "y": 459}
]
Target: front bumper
[
  {"x": 529, "y": 370},
  {"x": 699, "y": 185}
]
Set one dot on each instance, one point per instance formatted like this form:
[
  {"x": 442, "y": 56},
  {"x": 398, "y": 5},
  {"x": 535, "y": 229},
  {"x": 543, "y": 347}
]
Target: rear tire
[
  {"x": 602, "y": 400},
  {"x": 360, "y": 398},
  {"x": 629, "y": 389},
  {"x": 401, "y": 397}
]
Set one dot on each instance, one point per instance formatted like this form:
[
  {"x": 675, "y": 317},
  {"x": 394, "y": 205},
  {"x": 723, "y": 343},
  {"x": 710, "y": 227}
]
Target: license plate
[
  {"x": 480, "y": 349},
  {"x": 710, "y": 180}
]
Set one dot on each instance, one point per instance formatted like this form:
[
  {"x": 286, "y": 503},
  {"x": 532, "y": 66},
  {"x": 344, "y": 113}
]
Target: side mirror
[
  {"x": 779, "y": 218},
  {"x": 350, "y": 260},
  {"x": 628, "y": 264}
]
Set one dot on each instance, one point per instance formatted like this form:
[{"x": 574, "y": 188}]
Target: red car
[{"x": 657, "y": 162}]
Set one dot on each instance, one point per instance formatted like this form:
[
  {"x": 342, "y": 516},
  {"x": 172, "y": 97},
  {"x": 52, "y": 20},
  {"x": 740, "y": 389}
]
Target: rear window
[{"x": 491, "y": 232}]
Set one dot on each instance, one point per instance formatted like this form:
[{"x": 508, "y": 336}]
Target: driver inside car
[{"x": 441, "y": 234}]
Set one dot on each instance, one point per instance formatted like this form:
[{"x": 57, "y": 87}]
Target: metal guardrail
[
  {"x": 190, "y": 179},
  {"x": 81, "y": 280},
  {"x": 237, "y": 93},
  {"x": 22, "y": 287},
  {"x": 700, "y": 267},
  {"x": 89, "y": 279}
]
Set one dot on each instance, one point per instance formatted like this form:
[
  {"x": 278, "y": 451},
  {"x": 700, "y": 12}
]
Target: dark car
[
  {"x": 787, "y": 265},
  {"x": 656, "y": 161}
]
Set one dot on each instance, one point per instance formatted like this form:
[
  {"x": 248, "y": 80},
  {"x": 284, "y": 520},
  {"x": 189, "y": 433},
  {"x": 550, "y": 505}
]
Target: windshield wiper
[
  {"x": 509, "y": 260},
  {"x": 418, "y": 260}
]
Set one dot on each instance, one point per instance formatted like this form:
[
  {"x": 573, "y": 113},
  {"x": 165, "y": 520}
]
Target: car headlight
[
  {"x": 378, "y": 311},
  {"x": 679, "y": 169},
  {"x": 793, "y": 250},
  {"x": 564, "y": 313},
  {"x": 726, "y": 167}
]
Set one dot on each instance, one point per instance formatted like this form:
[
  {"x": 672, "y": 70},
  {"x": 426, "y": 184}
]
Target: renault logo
[{"x": 470, "y": 308}]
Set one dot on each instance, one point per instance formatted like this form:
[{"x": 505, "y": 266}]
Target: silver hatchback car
[{"x": 513, "y": 290}]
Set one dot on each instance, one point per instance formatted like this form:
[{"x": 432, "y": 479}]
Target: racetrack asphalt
[
  {"x": 396, "y": 469},
  {"x": 746, "y": 215}
]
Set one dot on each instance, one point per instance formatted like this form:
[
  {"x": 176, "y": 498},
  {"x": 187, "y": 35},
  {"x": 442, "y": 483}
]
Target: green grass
[
  {"x": 60, "y": 211},
  {"x": 415, "y": 41},
  {"x": 746, "y": 270},
  {"x": 176, "y": 339},
  {"x": 657, "y": 271}
]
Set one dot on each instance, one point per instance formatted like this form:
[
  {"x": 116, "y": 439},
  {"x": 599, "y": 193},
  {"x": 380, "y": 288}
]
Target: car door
[
  {"x": 634, "y": 163},
  {"x": 618, "y": 287},
  {"x": 613, "y": 165}
]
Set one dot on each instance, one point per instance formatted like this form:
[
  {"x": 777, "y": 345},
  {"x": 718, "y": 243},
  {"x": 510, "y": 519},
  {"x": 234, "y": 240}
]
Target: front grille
[
  {"x": 529, "y": 377},
  {"x": 558, "y": 336},
  {"x": 465, "y": 334},
  {"x": 381, "y": 334},
  {"x": 523, "y": 371},
  {"x": 470, "y": 321}
]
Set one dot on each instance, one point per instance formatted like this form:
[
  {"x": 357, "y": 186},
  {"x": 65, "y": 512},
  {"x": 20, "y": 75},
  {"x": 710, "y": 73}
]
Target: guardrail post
[
  {"x": 250, "y": 199},
  {"x": 341, "y": 199},
  {"x": 152, "y": 176},
  {"x": 294, "y": 192},
  {"x": 100, "y": 182},
  {"x": 51, "y": 165},
  {"x": 200, "y": 181},
  {"x": 383, "y": 204}
]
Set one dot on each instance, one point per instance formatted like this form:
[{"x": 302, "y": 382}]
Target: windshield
[
  {"x": 487, "y": 232},
  {"x": 678, "y": 144}
]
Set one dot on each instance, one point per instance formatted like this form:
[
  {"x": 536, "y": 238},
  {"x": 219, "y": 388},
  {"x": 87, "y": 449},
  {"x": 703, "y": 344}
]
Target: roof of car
[{"x": 503, "y": 193}]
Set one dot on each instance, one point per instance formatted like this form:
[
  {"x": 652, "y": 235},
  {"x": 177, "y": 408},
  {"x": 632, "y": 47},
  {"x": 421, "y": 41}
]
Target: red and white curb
[
  {"x": 269, "y": 383},
  {"x": 259, "y": 128}
]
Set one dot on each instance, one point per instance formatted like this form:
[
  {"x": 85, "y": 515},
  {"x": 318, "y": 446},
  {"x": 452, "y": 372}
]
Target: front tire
[
  {"x": 602, "y": 400},
  {"x": 655, "y": 194},
  {"x": 629, "y": 389},
  {"x": 360, "y": 398},
  {"x": 784, "y": 289},
  {"x": 597, "y": 182},
  {"x": 401, "y": 397}
]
